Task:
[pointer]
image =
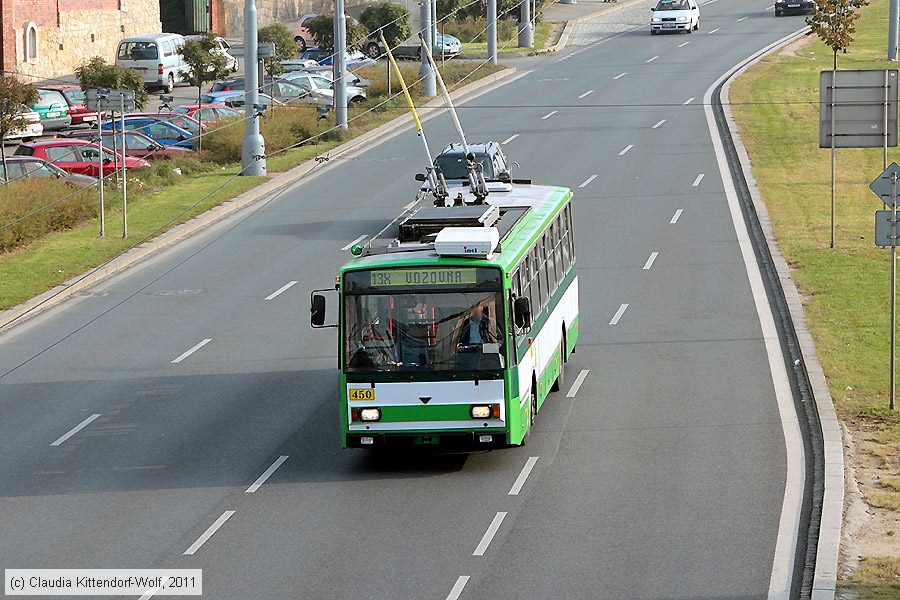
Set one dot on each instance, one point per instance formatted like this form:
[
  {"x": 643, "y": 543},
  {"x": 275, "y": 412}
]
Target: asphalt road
[{"x": 662, "y": 477}]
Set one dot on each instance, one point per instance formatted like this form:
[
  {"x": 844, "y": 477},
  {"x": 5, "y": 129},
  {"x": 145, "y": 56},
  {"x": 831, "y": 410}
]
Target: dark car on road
[{"x": 794, "y": 7}]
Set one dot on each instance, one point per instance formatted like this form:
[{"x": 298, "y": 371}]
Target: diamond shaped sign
[{"x": 882, "y": 184}]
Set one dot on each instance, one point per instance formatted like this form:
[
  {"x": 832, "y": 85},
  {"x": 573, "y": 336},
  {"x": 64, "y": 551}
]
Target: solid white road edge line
[
  {"x": 523, "y": 475},
  {"x": 650, "y": 261},
  {"x": 509, "y": 139},
  {"x": 458, "y": 587},
  {"x": 549, "y": 114},
  {"x": 489, "y": 534},
  {"x": 786, "y": 542},
  {"x": 359, "y": 239},
  {"x": 626, "y": 149},
  {"x": 676, "y": 216},
  {"x": 586, "y": 94},
  {"x": 578, "y": 381},
  {"x": 192, "y": 350},
  {"x": 698, "y": 180},
  {"x": 76, "y": 429},
  {"x": 588, "y": 181},
  {"x": 209, "y": 532},
  {"x": 618, "y": 315},
  {"x": 283, "y": 288},
  {"x": 266, "y": 474}
]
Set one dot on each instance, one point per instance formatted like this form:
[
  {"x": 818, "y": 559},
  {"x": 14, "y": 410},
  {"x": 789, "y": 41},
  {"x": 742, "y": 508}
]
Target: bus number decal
[{"x": 362, "y": 394}]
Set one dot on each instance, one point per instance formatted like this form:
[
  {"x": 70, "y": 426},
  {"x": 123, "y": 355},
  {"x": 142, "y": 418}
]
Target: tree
[
  {"x": 95, "y": 73},
  {"x": 205, "y": 62},
  {"x": 13, "y": 95},
  {"x": 285, "y": 46},
  {"x": 834, "y": 22},
  {"x": 322, "y": 29},
  {"x": 388, "y": 17}
]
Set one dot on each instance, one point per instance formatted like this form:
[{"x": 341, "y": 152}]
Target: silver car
[{"x": 319, "y": 84}]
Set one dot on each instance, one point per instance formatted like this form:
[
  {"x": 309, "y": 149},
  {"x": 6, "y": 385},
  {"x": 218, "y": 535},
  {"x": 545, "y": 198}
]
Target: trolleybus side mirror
[
  {"x": 317, "y": 311},
  {"x": 522, "y": 312},
  {"x": 420, "y": 177}
]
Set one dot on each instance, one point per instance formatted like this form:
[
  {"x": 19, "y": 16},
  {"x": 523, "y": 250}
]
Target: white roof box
[{"x": 474, "y": 242}]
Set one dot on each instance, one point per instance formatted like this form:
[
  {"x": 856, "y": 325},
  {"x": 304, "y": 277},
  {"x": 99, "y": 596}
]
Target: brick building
[{"x": 45, "y": 38}]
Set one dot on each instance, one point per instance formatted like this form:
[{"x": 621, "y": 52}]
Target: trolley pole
[
  {"x": 429, "y": 86},
  {"x": 340, "y": 64},
  {"x": 492, "y": 31},
  {"x": 253, "y": 148}
]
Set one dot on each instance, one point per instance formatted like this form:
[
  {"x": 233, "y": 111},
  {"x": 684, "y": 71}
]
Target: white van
[{"x": 155, "y": 57}]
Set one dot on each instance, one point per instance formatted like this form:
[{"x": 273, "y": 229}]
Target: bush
[
  {"x": 286, "y": 127},
  {"x": 95, "y": 73},
  {"x": 285, "y": 47},
  {"x": 322, "y": 29},
  {"x": 474, "y": 29},
  {"x": 391, "y": 18},
  {"x": 23, "y": 197}
]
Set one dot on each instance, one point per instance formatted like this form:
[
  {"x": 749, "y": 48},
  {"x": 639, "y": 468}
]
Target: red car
[
  {"x": 76, "y": 100},
  {"x": 136, "y": 144},
  {"x": 77, "y": 156},
  {"x": 208, "y": 114}
]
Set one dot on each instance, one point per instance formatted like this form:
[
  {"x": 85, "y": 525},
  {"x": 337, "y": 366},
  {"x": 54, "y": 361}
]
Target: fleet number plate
[{"x": 362, "y": 393}]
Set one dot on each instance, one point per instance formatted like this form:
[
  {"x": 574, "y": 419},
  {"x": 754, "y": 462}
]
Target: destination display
[{"x": 417, "y": 277}]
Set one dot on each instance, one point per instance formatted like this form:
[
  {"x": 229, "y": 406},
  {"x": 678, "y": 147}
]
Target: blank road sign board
[
  {"x": 858, "y": 100},
  {"x": 883, "y": 228},
  {"x": 112, "y": 100}
]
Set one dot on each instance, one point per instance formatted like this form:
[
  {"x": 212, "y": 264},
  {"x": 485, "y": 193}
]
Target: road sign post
[{"x": 886, "y": 235}]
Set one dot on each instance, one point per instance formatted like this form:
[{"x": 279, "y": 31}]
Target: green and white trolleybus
[{"x": 456, "y": 322}]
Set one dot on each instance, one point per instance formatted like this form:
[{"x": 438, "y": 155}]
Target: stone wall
[
  {"x": 81, "y": 34},
  {"x": 273, "y": 11}
]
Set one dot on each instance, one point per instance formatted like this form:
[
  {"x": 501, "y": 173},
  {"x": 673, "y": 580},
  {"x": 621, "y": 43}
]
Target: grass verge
[
  {"x": 845, "y": 290},
  {"x": 165, "y": 199},
  {"x": 509, "y": 43}
]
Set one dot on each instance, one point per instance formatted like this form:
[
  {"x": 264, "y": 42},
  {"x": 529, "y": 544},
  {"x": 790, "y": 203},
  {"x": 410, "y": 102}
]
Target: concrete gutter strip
[
  {"x": 264, "y": 191},
  {"x": 825, "y": 578}
]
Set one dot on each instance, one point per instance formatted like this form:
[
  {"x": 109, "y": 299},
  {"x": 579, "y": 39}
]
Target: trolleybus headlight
[
  {"x": 370, "y": 414},
  {"x": 481, "y": 412}
]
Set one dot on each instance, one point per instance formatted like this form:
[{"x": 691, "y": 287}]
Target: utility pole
[
  {"x": 253, "y": 149},
  {"x": 340, "y": 65},
  {"x": 526, "y": 32},
  {"x": 492, "y": 31},
  {"x": 893, "y": 24},
  {"x": 429, "y": 87}
]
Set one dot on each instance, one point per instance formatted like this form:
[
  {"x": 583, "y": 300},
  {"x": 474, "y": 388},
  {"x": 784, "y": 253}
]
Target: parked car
[
  {"x": 322, "y": 86},
  {"x": 31, "y": 167},
  {"x": 155, "y": 57},
  {"x": 77, "y": 156},
  {"x": 136, "y": 144},
  {"x": 444, "y": 45},
  {"x": 53, "y": 110},
  {"x": 185, "y": 122},
  {"x": 32, "y": 127},
  {"x": 222, "y": 49},
  {"x": 235, "y": 99},
  {"x": 159, "y": 131},
  {"x": 298, "y": 64},
  {"x": 302, "y": 35},
  {"x": 76, "y": 100},
  {"x": 794, "y": 7},
  {"x": 675, "y": 15},
  {"x": 211, "y": 115},
  {"x": 327, "y": 72},
  {"x": 282, "y": 90}
]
